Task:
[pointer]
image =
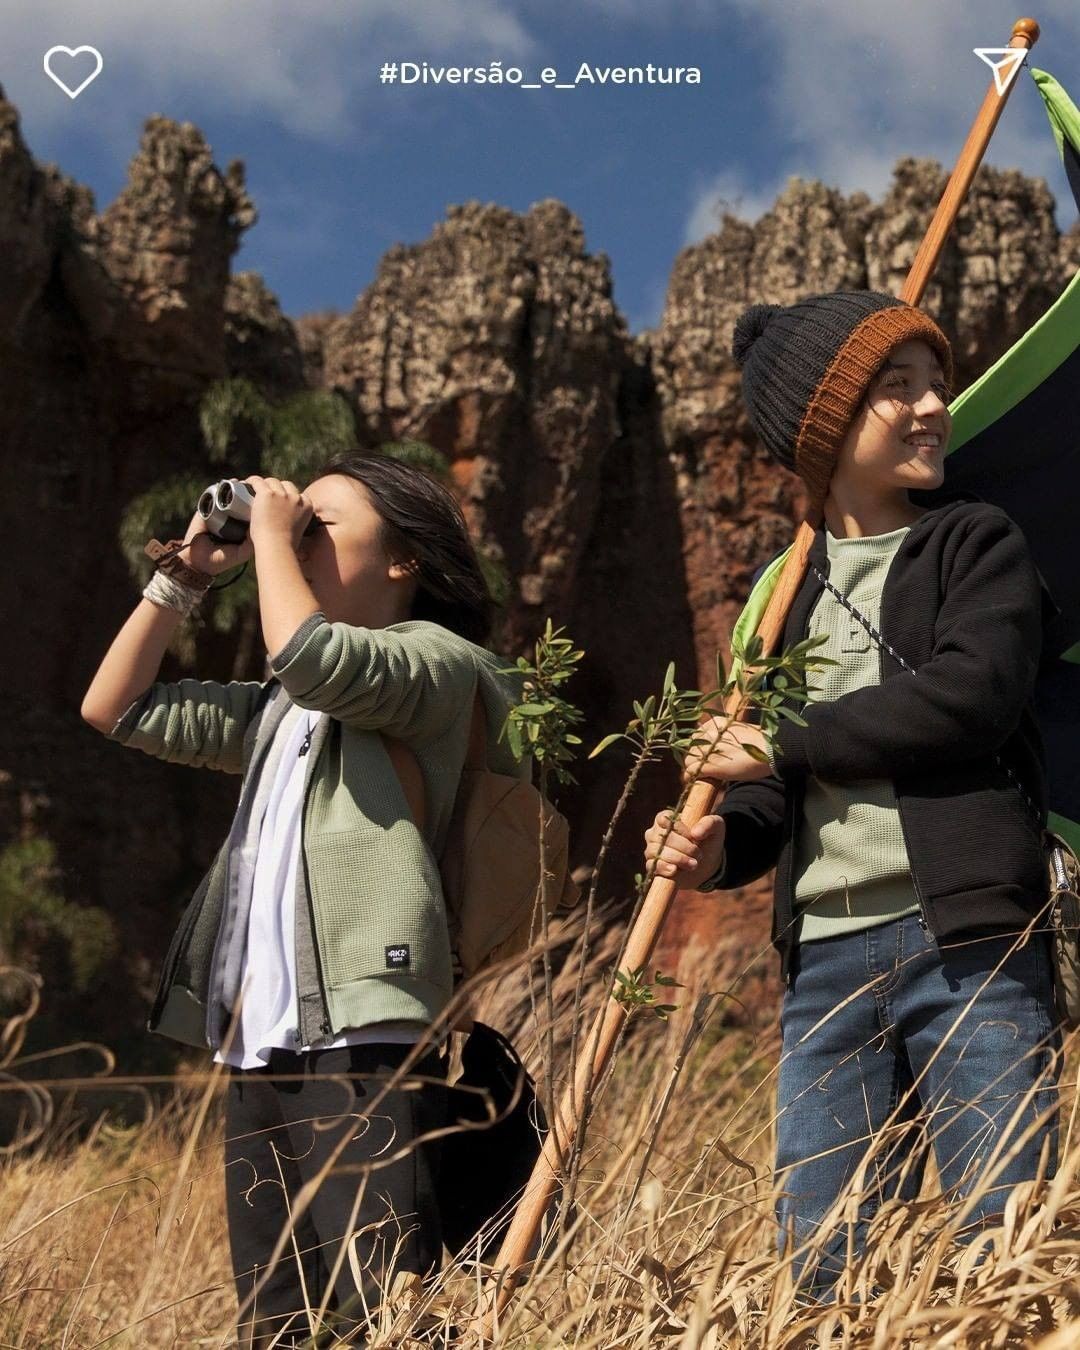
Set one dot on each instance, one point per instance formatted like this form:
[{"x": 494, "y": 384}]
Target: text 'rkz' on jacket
[
  {"x": 963, "y": 604},
  {"x": 371, "y": 934}
]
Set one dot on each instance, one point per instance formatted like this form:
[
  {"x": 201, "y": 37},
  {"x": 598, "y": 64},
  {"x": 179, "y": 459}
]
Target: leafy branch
[
  {"x": 541, "y": 725},
  {"x": 637, "y": 994},
  {"x": 660, "y": 723},
  {"x": 766, "y": 685}
]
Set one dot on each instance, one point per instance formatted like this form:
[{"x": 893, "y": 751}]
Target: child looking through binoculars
[{"x": 315, "y": 954}]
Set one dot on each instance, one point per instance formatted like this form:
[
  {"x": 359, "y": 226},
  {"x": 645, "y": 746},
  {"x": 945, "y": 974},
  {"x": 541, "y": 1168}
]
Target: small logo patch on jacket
[{"x": 397, "y": 958}]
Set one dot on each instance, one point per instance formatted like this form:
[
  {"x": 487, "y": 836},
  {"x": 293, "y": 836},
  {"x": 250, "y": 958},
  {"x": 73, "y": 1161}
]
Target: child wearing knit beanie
[
  {"x": 904, "y": 817},
  {"x": 806, "y": 368}
]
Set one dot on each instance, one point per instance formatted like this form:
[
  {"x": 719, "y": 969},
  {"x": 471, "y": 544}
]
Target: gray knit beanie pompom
[{"x": 749, "y": 326}]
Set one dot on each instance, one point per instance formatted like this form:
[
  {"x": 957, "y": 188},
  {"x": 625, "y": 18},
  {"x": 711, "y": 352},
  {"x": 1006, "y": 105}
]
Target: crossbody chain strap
[{"x": 1032, "y": 808}]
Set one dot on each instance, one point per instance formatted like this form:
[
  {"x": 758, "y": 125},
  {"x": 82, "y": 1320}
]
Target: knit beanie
[{"x": 806, "y": 367}]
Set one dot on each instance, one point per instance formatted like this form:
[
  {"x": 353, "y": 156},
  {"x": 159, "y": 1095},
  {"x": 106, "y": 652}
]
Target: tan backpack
[{"x": 490, "y": 863}]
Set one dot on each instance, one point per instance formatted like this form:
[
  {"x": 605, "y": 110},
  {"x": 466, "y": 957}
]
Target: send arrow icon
[{"x": 1009, "y": 61}]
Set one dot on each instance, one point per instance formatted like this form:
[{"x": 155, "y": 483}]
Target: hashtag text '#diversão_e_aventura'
[{"x": 421, "y": 72}]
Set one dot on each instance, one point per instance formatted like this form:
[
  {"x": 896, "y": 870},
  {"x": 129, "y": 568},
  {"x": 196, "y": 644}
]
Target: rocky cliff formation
[{"x": 615, "y": 476}]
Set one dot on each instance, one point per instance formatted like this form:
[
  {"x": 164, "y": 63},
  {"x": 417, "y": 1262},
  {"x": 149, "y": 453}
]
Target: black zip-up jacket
[{"x": 962, "y": 603}]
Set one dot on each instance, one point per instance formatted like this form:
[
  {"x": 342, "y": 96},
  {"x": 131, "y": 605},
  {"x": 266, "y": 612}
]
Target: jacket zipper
[
  {"x": 173, "y": 958},
  {"x": 903, "y": 827},
  {"x": 324, "y": 1025},
  {"x": 914, "y": 875}
]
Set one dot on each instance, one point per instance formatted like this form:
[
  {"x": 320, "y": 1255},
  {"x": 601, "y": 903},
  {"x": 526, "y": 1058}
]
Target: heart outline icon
[{"x": 73, "y": 52}]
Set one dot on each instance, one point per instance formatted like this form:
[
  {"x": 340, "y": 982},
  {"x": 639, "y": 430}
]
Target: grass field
[{"x": 116, "y": 1235}]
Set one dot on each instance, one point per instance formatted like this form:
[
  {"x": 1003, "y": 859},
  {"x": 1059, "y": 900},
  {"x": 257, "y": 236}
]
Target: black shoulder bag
[{"x": 487, "y": 1162}]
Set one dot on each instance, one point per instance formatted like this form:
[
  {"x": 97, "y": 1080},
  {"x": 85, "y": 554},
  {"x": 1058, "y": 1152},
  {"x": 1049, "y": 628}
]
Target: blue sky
[{"x": 341, "y": 166}]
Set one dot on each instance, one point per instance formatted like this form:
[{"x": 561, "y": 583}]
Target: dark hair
[
  {"x": 898, "y": 403},
  {"x": 423, "y": 526}
]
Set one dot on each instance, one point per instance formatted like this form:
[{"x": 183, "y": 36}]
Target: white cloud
[
  {"x": 853, "y": 85},
  {"x": 648, "y": 13},
  {"x": 727, "y": 191},
  {"x": 858, "y": 83},
  {"x": 301, "y": 63}
]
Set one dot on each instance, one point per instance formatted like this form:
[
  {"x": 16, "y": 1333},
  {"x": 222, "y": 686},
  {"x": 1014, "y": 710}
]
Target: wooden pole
[{"x": 642, "y": 939}]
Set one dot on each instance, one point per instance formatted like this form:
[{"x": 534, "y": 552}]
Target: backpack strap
[
  {"x": 408, "y": 769},
  {"x": 411, "y": 778},
  {"x": 476, "y": 755}
]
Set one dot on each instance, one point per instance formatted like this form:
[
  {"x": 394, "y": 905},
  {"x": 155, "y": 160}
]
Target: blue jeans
[{"x": 868, "y": 1057}]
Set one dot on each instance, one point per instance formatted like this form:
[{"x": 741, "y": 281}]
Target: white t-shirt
[{"x": 268, "y": 1008}]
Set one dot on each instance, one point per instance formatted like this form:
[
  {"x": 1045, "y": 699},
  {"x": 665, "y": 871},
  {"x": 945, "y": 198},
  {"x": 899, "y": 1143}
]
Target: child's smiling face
[
  {"x": 898, "y": 437},
  {"x": 346, "y": 563}
]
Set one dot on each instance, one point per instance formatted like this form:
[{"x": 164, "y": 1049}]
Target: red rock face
[
  {"x": 615, "y": 477},
  {"x": 496, "y": 341}
]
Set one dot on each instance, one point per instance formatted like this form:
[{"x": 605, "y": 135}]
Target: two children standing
[{"x": 918, "y": 1007}]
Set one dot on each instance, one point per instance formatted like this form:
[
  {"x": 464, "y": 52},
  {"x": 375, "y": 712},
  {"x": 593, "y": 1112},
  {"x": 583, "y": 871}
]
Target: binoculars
[{"x": 226, "y": 508}]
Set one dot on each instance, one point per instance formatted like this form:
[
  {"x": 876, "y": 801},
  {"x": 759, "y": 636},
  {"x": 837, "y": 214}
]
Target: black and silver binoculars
[{"x": 226, "y": 508}]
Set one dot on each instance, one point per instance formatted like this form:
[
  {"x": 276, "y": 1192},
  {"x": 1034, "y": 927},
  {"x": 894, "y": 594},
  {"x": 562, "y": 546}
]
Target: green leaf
[
  {"x": 227, "y": 405},
  {"x": 307, "y": 430},
  {"x": 421, "y": 456}
]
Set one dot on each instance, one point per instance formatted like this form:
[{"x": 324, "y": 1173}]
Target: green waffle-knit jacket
[{"x": 371, "y": 932}]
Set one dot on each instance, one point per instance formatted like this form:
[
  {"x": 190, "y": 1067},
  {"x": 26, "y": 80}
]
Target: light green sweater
[{"x": 851, "y": 862}]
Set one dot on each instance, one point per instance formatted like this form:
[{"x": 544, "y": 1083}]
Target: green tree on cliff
[{"x": 243, "y": 433}]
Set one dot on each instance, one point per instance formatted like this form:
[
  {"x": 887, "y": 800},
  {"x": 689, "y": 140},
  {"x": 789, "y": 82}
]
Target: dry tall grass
[{"x": 118, "y": 1237}]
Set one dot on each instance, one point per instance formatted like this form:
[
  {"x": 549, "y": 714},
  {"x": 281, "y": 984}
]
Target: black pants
[{"x": 279, "y": 1135}]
